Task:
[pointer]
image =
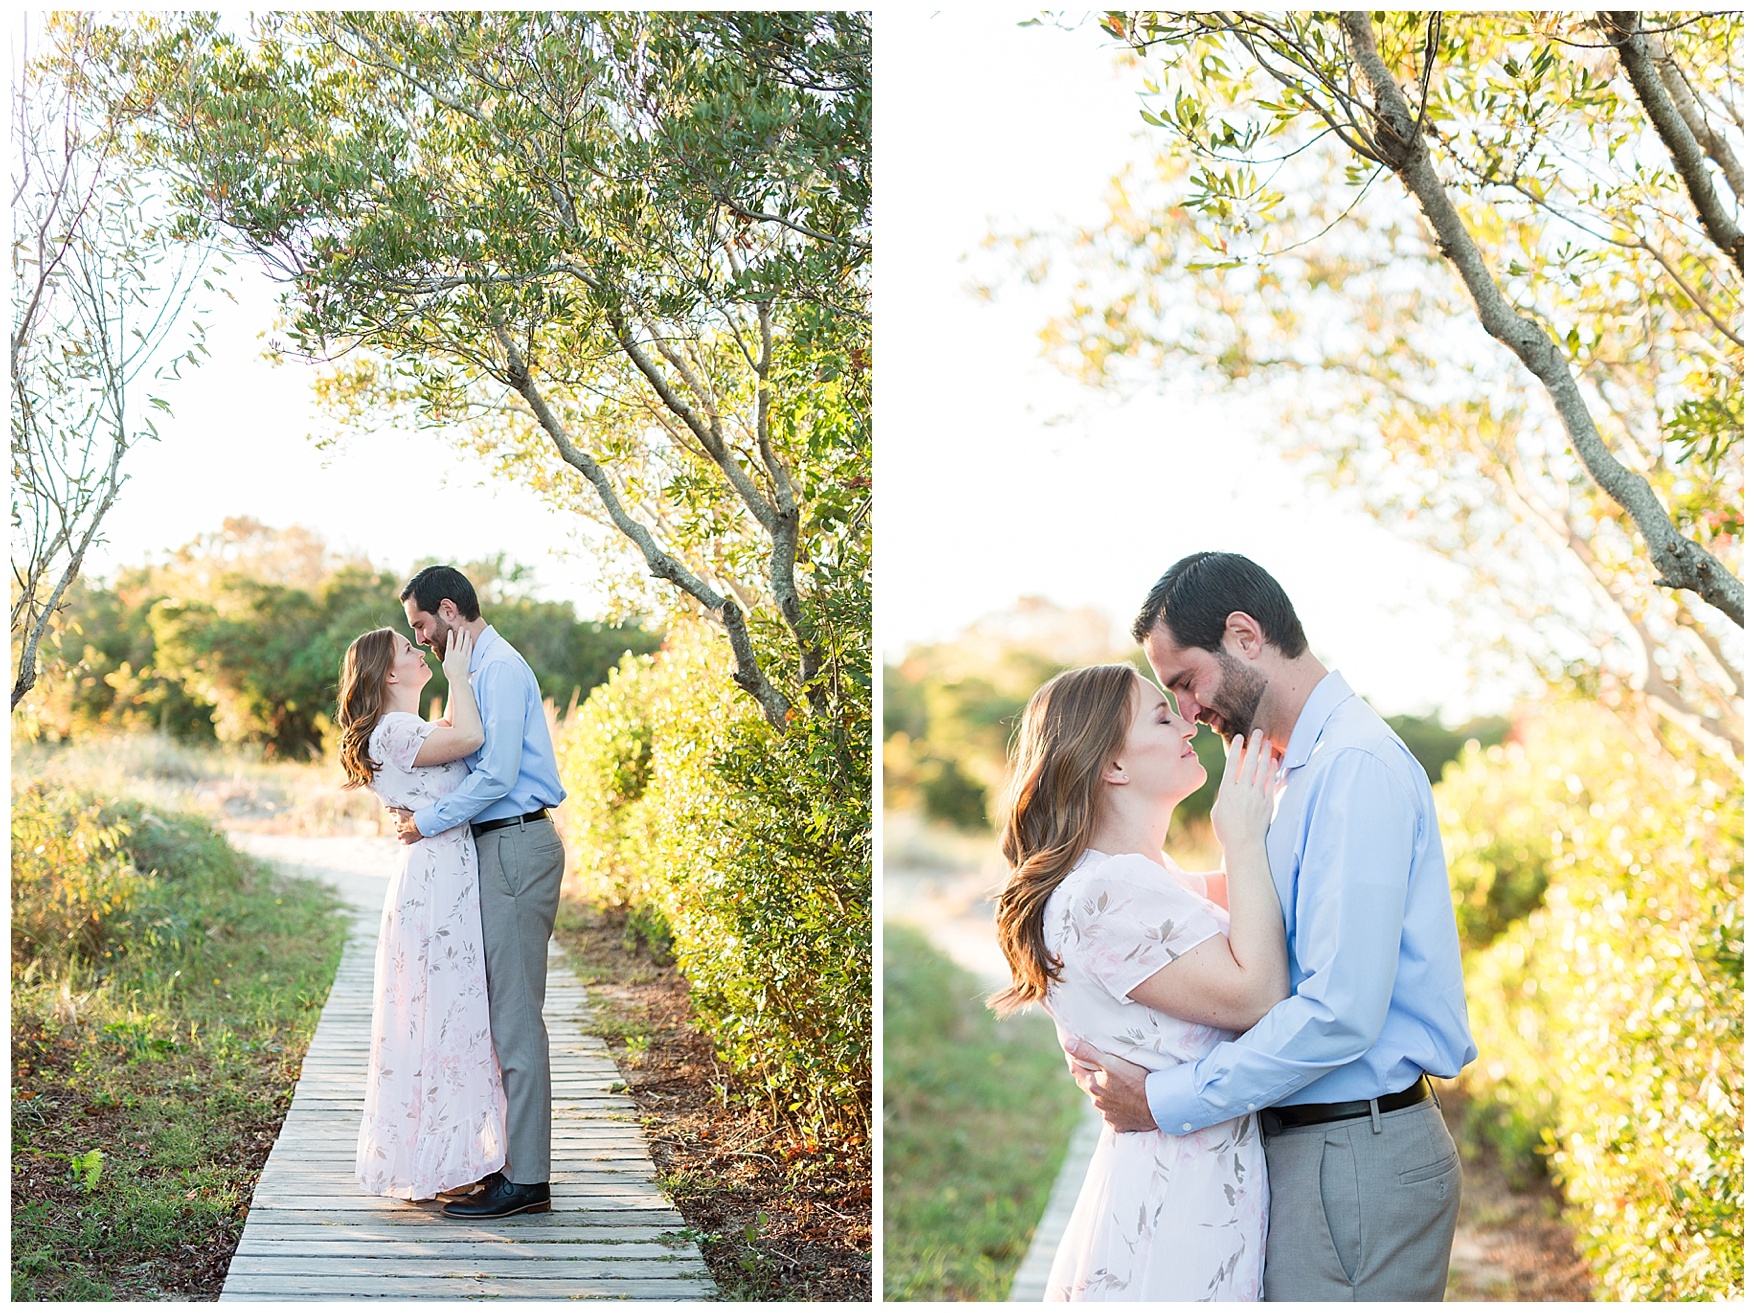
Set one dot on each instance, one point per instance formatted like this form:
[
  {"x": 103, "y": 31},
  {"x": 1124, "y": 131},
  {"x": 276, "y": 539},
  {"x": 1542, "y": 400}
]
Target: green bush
[
  {"x": 95, "y": 879},
  {"x": 1610, "y": 1020},
  {"x": 73, "y": 875},
  {"x": 604, "y": 752},
  {"x": 751, "y": 849}
]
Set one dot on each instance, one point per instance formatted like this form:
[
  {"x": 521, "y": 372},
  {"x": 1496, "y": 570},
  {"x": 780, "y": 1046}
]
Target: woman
[
  {"x": 1147, "y": 962},
  {"x": 435, "y": 1113}
]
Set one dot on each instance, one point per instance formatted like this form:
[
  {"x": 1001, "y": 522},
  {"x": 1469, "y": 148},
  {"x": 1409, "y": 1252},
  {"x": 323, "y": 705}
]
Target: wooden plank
[
  {"x": 612, "y": 1222},
  {"x": 311, "y": 1234},
  {"x": 441, "y": 1264},
  {"x": 677, "y": 1289},
  {"x": 477, "y": 1240}
]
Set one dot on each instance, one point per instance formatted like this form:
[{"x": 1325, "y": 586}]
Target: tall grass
[{"x": 236, "y": 787}]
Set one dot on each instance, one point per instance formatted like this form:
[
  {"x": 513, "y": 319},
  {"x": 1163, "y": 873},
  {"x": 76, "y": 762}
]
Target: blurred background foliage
[
  {"x": 951, "y": 710},
  {"x": 1599, "y": 889},
  {"x": 237, "y": 638}
]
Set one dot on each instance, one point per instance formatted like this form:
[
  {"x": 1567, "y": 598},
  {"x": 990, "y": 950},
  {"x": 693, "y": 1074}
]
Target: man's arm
[
  {"x": 501, "y": 697},
  {"x": 1352, "y": 896}
]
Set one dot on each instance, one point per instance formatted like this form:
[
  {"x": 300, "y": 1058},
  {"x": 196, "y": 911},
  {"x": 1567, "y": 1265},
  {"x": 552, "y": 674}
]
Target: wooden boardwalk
[{"x": 312, "y": 1234}]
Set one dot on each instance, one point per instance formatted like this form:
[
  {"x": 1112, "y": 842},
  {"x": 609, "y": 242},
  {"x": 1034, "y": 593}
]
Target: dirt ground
[
  {"x": 778, "y": 1215},
  {"x": 1511, "y": 1244}
]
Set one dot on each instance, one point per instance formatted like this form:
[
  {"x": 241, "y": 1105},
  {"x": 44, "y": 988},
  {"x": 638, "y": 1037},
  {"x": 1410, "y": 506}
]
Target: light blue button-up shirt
[
  {"x": 1377, "y": 990},
  {"x": 514, "y": 772}
]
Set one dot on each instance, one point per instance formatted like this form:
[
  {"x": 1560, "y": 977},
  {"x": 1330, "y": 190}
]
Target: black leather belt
[
  {"x": 540, "y": 814},
  {"x": 1275, "y": 1120}
]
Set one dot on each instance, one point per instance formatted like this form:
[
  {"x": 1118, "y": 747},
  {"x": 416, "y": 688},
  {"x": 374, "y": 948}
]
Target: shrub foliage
[
  {"x": 73, "y": 875},
  {"x": 751, "y": 850},
  {"x": 1610, "y": 1018}
]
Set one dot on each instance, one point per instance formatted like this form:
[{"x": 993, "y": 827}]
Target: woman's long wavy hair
[
  {"x": 1075, "y": 724},
  {"x": 360, "y": 703}
]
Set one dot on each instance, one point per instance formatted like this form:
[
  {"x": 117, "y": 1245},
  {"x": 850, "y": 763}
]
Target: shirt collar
[
  {"x": 487, "y": 640},
  {"x": 1318, "y": 707}
]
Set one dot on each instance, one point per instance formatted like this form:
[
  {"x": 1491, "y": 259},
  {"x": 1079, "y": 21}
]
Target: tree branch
[
  {"x": 706, "y": 433},
  {"x": 1694, "y": 296},
  {"x": 1689, "y": 107},
  {"x": 749, "y": 675},
  {"x": 756, "y": 216},
  {"x": 1680, "y": 562},
  {"x": 1629, "y": 42}
]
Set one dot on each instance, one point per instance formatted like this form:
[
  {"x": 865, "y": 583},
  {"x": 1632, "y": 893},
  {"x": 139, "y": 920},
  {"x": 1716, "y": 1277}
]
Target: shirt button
[
  {"x": 1188, "y": 1126},
  {"x": 1249, "y": 1107}
]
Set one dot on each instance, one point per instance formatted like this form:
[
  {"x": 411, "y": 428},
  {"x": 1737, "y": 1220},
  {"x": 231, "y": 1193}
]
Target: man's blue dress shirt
[
  {"x": 1377, "y": 990},
  {"x": 514, "y": 772}
]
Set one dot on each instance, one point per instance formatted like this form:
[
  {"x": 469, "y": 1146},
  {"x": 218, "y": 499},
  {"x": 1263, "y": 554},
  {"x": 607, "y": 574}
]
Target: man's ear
[
  {"x": 450, "y": 617},
  {"x": 1245, "y": 631}
]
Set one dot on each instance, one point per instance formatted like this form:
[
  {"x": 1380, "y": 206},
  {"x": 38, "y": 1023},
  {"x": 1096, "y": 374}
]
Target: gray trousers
[
  {"x": 521, "y": 868},
  {"x": 1360, "y": 1211}
]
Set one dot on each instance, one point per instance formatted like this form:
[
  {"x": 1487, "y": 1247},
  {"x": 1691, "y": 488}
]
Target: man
[
  {"x": 512, "y": 782},
  {"x": 1362, "y": 1172}
]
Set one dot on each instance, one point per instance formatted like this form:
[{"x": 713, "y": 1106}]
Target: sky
[
  {"x": 238, "y": 444},
  {"x": 998, "y": 477}
]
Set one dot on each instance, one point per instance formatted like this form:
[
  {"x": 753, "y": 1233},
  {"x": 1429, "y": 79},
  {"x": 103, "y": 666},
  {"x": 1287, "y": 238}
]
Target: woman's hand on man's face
[{"x": 459, "y": 644}]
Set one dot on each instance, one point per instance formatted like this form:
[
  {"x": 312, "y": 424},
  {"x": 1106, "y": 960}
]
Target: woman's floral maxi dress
[
  {"x": 1160, "y": 1217},
  {"x": 435, "y": 1112}
]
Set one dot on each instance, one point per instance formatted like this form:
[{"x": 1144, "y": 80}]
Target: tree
[
  {"x": 239, "y": 635},
  {"x": 99, "y": 289},
  {"x": 629, "y": 252},
  {"x": 1584, "y": 454},
  {"x": 1340, "y": 202}
]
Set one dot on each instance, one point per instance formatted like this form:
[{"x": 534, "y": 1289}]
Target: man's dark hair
[
  {"x": 437, "y": 582},
  {"x": 1199, "y": 591}
]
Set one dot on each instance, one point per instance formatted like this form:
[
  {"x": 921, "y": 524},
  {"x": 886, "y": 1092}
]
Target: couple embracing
[
  {"x": 1270, "y": 1024},
  {"x": 458, "y": 1090}
]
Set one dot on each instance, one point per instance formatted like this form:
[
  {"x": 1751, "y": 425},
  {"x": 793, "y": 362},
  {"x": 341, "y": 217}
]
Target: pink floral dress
[
  {"x": 435, "y": 1113},
  {"x": 1160, "y": 1217}
]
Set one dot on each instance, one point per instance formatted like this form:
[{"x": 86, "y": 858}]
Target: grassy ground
[
  {"x": 151, "y": 1071},
  {"x": 235, "y": 787},
  {"x": 976, "y": 1118},
  {"x": 778, "y": 1215}
]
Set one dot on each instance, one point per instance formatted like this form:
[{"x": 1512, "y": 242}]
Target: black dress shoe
[{"x": 501, "y": 1199}]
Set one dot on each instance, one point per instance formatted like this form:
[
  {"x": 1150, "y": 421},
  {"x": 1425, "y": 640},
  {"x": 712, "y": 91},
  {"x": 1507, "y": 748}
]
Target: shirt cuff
[
  {"x": 1175, "y": 1106},
  {"x": 426, "y": 820}
]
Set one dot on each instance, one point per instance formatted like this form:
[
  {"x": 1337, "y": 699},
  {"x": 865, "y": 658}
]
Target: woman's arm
[
  {"x": 1233, "y": 981},
  {"x": 462, "y": 734}
]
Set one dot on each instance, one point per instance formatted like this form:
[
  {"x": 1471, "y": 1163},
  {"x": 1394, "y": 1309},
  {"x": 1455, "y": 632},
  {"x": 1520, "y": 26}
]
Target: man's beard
[
  {"x": 1232, "y": 710},
  {"x": 441, "y": 631}
]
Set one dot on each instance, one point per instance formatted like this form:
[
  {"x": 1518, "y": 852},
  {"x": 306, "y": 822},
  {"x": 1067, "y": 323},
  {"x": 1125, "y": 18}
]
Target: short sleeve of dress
[
  {"x": 1130, "y": 919},
  {"x": 397, "y": 740}
]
